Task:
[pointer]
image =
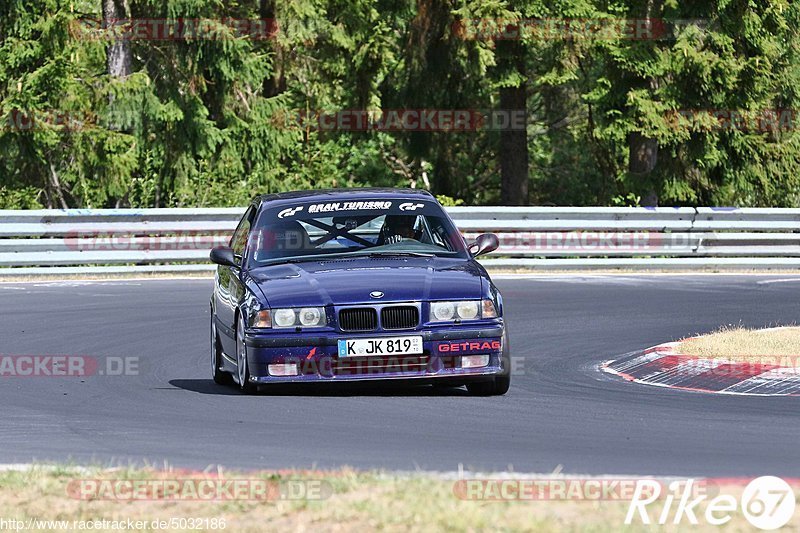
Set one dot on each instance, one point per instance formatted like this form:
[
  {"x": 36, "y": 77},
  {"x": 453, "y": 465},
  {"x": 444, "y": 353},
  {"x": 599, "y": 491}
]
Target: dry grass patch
[
  {"x": 747, "y": 345},
  {"x": 358, "y": 501}
]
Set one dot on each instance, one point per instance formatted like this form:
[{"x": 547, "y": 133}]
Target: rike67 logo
[{"x": 767, "y": 503}]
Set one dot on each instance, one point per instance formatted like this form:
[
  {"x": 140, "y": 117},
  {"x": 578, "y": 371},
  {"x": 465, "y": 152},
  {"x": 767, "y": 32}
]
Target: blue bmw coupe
[{"x": 356, "y": 285}]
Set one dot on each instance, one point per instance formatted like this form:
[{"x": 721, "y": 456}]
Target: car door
[{"x": 230, "y": 289}]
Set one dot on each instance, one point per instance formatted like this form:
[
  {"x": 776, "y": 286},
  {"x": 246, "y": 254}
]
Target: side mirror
[
  {"x": 485, "y": 243},
  {"x": 224, "y": 256}
]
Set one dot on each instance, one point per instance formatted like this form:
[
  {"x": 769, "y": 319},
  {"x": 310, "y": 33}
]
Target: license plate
[{"x": 380, "y": 346}]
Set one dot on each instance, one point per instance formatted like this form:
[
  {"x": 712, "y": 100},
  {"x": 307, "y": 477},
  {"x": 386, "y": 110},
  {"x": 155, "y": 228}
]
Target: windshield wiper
[
  {"x": 399, "y": 254},
  {"x": 305, "y": 258}
]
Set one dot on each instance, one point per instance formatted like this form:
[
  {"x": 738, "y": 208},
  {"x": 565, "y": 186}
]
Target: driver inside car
[{"x": 396, "y": 228}]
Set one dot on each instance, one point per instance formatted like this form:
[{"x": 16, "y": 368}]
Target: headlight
[
  {"x": 284, "y": 318},
  {"x": 442, "y": 311},
  {"x": 308, "y": 317},
  {"x": 467, "y": 310},
  {"x": 462, "y": 310}
]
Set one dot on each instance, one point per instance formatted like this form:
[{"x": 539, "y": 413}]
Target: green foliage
[
  {"x": 448, "y": 201},
  {"x": 742, "y": 60},
  {"x": 211, "y": 122},
  {"x": 20, "y": 198}
]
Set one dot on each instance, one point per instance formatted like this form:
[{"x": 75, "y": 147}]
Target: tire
[
  {"x": 501, "y": 383},
  {"x": 481, "y": 388},
  {"x": 220, "y": 377},
  {"x": 243, "y": 373}
]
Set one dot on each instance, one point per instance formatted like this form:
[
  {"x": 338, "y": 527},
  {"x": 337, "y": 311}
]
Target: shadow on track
[{"x": 207, "y": 386}]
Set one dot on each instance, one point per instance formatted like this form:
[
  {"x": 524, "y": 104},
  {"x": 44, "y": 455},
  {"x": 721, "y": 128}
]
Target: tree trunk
[
  {"x": 275, "y": 84},
  {"x": 643, "y": 156},
  {"x": 643, "y": 151},
  {"x": 513, "y": 142},
  {"x": 118, "y": 53},
  {"x": 56, "y": 183}
]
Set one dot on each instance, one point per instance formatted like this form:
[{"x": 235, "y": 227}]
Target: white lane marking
[
  {"x": 33, "y": 467},
  {"x": 683, "y": 371},
  {"x": 786, "y": 380},
  {"x": 605, "y": 367},
  {"x": 639, "y": 360},
  {"x": 55, "y": 282},
  {"x": 782, "y": 280},
  {"x": 577, "y": 279},
  {"x": 700, "y": 282},
  {"x": 778, "y": 381},
  {"x": 85, "y": 284},
  {"x": 444, "y": 475},
  {"x": 611, "y": 275}
]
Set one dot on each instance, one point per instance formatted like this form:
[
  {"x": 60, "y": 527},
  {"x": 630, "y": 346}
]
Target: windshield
[{"x": 308, "y": 231}]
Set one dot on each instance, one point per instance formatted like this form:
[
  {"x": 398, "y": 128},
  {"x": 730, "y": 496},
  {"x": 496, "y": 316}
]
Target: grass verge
[
  {"x": 747, "y": 345},
  {"x": 350, "y": 500}
]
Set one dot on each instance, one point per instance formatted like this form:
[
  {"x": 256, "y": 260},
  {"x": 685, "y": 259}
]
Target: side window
[
  {"x": 439, "y": 234},
  {"x": 239, "y": 239}
]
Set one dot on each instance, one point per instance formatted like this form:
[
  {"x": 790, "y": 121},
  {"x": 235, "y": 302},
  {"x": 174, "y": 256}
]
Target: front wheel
[
  {"x": 482, "y": 388},
  {"x": 241, "y": 361},
  {"x": 501, "y": 383},
  {"x": 497, "y": 387},
  {"x": 220, "y": 377}
]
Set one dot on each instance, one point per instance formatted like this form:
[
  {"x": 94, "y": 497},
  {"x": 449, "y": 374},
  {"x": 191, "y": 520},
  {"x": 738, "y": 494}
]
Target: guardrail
[{"x": 541, "y": 238}]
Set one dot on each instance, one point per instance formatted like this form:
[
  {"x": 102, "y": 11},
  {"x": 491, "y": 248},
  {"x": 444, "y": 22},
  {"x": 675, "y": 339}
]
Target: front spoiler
[
  {"x": 457, "y": 377},
  {"x": 315, "y": 355}
]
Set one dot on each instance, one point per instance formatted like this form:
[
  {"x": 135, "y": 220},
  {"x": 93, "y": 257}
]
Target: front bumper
[{"x": 317, "y": 358}]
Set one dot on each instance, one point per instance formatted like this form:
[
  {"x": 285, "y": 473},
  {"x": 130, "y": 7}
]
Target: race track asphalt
[{"x": 561, "y": 414}]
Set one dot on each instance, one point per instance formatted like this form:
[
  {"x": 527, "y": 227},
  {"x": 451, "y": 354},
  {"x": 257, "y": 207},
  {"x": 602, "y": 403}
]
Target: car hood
[{"x": 351, "y": 280}]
